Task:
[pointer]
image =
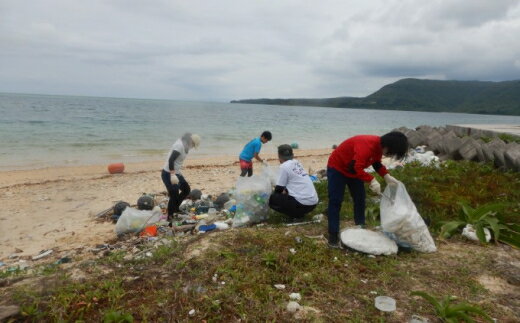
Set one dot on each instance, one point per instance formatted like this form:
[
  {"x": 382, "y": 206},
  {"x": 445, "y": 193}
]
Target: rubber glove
[
  {"x": 390, "y": 180},
  {"x": 375, "y": 186},
  {"x": 174, "y": 179}
]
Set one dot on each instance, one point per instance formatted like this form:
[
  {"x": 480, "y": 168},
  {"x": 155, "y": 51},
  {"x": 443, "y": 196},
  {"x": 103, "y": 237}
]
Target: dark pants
[
  {"x": 286, "y": 204},
  {"x": 336, "y": 186},
  {"x": 173, "y": 190},
  {"x": 244, "y": 171}
]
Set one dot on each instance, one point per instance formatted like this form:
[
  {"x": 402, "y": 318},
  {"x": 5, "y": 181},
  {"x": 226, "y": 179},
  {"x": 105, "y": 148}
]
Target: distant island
[{"x": 425, "y": 95}]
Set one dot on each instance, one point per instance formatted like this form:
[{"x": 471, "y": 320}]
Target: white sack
[
  {"x": 400, "y": 217},
  {"x": 133, "y": 220},
  {"x": 371, "y": 242}
]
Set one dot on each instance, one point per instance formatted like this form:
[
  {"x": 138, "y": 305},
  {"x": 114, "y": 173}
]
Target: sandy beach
[{"x": 56, "y": 207}]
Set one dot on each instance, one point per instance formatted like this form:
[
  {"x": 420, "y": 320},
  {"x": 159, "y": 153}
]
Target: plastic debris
[
  {"x": 221, "y": 225},
  {"x": 418, "y": 319},
  {"x": 191, "y": 312},
  {"x": 385, "y": 303},
  {"x": 293, "y": 306},
  {"x": 374, "y": 243},
  {"x": 298, "y": 240},
  {"x": 279, "y": 286},
  {"x": 295, "y": 296},
  {"x": 470, "y": 233},
  {"x": 63, "y": 260},
  {"x": 42, "y": 254},
  {"x": 133, "y": 220},
  {"x": 252, "y": 194},
  {"x": 292, "y": 250},
  {"x": 400, "y": 216},
  {"x": 205, "y": 228}
]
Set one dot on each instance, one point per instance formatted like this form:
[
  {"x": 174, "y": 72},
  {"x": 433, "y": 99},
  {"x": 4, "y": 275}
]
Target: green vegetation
[
  {"x": 449, "y": 312},
  {"x": 425, "y": 95},
  {"x": 233, "y": 275},
  {"x": 480, "y": 219}
]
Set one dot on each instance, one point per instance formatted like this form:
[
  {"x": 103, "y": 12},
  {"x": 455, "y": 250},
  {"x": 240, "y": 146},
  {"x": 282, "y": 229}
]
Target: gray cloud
[{"x": 204, "y": 50}]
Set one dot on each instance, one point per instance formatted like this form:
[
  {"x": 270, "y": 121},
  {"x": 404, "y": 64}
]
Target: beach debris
[
  {"x": 116, "y": 168},
  {"x": 367, "y": 241},
  {"x": 191, "y": 312},
  {"x": 118, "y": 209},
  {"x": 63, "y": 260},
  {"x": 204, "y": 228},
  {"x": 195, "y": 194},
  {"x": 295, "y": 296},
  {"x": 295, "y": 145},
  {"x": 145, "y": 202},
  {"x": 252, "y": 195},
  {"x": 385, "y": 303},
  {"x": 133, "y": 220},
  {"x": 18, "y": 250},
  {"x": 400, "y": 217},
  {"x": 221, "y": 200},
  {"x": 293, "y": 251},
  {"x": 293, "y": 306},
  {"x": 298, "y": 239},
  {"x": 279, "y": 286},
  {"x": 43, "y": 254},
  {"x": 418, "y": 319},
  {"x": 470, "y": 233},
  {"x": 149, "y": 231}
]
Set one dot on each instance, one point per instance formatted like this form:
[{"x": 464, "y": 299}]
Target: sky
[{"x": 224, "y": 50}]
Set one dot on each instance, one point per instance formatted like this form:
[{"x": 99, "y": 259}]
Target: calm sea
[{"x": 39, "y": 130}]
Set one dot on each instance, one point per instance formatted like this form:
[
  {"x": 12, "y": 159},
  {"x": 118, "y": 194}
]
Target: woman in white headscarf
[{"x": 171, "y": 174}]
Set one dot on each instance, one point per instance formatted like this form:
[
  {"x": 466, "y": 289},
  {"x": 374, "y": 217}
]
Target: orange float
[{"x": 116, "y": 168}]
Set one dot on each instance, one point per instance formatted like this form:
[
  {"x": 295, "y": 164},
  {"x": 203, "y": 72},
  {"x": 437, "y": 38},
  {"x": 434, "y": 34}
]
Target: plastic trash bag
[
  {"x": 272, "y": 172},
  {"x": 133, "y": 220},
  {"x": 470, "y": 233},
  {"x": 252, "y": 199},
  {"x": 371, "y": 242},
  {"x": 400, "y": 217}
]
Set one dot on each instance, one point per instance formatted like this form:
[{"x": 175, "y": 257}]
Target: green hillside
[{"x": 425, "y": 95}]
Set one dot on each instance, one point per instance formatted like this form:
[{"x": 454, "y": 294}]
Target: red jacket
[{"x": 355, "y": 154}]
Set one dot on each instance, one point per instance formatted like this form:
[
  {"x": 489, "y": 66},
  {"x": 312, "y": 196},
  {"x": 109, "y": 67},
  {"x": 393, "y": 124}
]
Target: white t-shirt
[
  {"x": 177, "y": 146},
  {"x": 297, "y": 182}
]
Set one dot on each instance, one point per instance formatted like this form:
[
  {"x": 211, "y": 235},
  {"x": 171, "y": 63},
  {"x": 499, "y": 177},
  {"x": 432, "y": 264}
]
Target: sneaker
[
  {"x": 334, "y": 241},
  {"x": 336, "y": 245}
]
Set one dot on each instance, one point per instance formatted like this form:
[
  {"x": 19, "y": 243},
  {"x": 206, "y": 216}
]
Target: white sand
[{"x": 56, "y": 207}]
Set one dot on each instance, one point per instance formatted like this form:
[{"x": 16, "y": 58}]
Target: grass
[{"x": 234, "y": 277}]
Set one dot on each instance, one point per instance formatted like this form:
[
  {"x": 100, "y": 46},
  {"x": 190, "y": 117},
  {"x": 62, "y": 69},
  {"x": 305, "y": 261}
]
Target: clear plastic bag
[
  {"x": 133, "y": 220},
  {"x": 252, "y": 199},
  {"x": 400, "y": 217}
]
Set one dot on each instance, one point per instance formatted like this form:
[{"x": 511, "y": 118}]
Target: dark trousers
[
  {"x": 336, "y": 187},
  {"x": 286, "y": 204},
  {"x": 173, "y": 190}
]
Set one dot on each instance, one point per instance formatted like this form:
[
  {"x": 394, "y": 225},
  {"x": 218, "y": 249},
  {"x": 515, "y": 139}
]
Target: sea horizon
[{"x": 42, "y": 130}]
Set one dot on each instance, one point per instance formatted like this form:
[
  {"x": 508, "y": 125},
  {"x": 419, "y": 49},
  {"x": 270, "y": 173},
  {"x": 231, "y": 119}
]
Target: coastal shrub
[
  {"x": 481, "y": 218},
  {"x": 447, "y": 311}
]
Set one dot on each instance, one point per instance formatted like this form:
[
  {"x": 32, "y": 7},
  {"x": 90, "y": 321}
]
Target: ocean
[{"x": 38, "y": 131}]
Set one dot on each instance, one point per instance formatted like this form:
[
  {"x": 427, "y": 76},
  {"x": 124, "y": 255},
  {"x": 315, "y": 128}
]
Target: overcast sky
[{"x": 222, "y": 50}]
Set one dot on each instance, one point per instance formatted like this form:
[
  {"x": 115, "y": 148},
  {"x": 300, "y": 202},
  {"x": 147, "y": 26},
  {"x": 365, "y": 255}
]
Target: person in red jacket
[{"x": 346, "y": 167}]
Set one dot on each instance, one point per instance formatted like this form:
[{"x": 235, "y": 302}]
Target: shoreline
[{"x": 54, "y": 207}]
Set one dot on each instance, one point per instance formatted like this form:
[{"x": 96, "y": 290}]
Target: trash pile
[{"x": 246, "y": 204}]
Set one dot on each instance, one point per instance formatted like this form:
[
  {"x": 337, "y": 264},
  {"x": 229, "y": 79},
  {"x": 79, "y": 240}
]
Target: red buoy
[{"x": 116, "y": 168}]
